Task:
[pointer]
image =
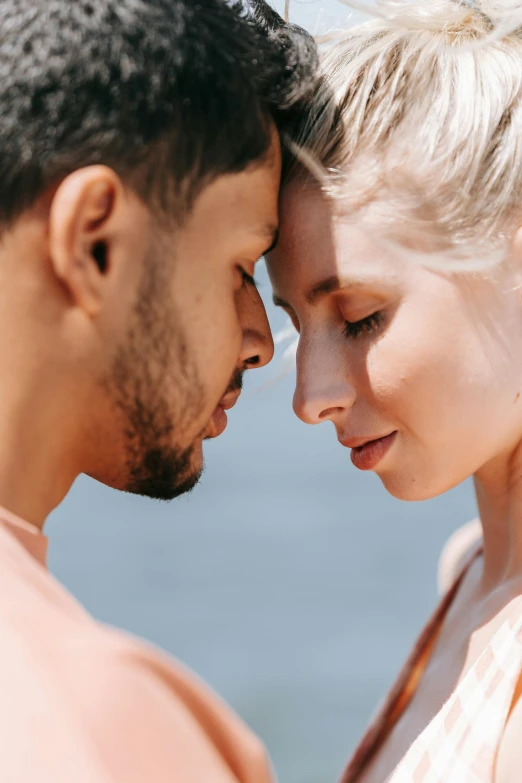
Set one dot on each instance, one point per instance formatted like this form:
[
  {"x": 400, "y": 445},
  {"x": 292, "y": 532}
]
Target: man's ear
[{"x": 83, "y": 225}]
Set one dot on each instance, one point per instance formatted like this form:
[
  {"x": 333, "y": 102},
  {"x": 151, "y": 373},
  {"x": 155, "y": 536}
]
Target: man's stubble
[{"x": 157, "y": 391}]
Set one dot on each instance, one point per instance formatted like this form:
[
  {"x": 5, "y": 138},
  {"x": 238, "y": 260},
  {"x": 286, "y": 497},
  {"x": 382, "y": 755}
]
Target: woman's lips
[{"x": 366, "y": 453}]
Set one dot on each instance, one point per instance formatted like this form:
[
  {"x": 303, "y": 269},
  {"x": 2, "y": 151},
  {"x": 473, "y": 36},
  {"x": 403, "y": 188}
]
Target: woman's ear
[
  {"x": 516, "y": 256},
  {"x": 83, "y": 226},
  {"x": 516, "y": 244}
]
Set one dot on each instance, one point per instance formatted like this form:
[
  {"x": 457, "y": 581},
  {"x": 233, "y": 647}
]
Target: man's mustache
[{"x": 236, "y": 382}]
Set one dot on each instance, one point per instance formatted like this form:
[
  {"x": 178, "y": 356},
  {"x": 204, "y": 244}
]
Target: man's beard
[{"x": 151, "y": 369}]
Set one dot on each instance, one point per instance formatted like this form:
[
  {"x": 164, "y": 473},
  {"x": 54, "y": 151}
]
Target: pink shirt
[{"x": 81, "y": 703}]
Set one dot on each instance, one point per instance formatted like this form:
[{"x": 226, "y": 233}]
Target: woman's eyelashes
[{"x": 366, "y": 326}]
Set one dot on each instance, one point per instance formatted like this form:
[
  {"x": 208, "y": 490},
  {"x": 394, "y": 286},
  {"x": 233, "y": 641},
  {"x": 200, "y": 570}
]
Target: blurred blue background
[{"x": 290, "y": 581}]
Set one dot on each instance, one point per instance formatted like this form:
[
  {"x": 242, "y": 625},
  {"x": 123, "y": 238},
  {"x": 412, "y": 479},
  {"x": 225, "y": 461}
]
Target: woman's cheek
[{"x": 402, "y": 375}]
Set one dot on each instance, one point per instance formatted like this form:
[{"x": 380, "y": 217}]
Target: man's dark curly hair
[{"x": 169, "y": 93}]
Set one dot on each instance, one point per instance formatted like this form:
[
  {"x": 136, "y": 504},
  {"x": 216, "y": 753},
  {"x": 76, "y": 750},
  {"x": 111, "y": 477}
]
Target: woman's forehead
[{"x": 314, "y": 241}]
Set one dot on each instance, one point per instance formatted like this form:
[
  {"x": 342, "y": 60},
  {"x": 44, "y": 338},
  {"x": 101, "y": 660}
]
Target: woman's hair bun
[{"x": 478, "y": 19}]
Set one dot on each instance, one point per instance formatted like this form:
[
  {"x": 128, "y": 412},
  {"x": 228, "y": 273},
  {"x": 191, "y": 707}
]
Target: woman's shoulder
[
  {"x": 456, "y": 551},
  {"x": 509, "y": 758}
]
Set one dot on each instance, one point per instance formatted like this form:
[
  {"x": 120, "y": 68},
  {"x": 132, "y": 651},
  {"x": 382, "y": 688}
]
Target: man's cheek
[{"x": 224, "y": 337}]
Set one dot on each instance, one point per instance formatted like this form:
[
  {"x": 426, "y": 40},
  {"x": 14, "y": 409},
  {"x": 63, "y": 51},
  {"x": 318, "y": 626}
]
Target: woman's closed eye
[{"x": 365, "y": 326}]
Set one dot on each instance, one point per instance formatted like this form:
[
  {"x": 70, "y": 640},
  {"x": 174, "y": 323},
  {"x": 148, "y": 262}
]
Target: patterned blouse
[{"x": 460, "y": 744}]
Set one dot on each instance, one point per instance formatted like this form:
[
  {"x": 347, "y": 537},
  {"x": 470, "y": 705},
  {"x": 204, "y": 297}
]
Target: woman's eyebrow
[{"x": 327, "y": 286}]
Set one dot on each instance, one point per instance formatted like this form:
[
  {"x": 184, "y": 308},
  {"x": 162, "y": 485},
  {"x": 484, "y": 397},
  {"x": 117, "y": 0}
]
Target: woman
[{"x": 402, "y": 271}]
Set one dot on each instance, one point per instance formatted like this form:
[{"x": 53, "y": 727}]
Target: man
[{"x": 140, "y": 166}]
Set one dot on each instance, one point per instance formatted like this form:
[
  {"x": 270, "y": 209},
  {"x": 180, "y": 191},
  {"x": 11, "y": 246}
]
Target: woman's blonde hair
[{"x": 422, "y": 138}]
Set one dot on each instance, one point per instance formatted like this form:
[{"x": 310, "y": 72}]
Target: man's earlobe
[{"x": 81, "y": 226}]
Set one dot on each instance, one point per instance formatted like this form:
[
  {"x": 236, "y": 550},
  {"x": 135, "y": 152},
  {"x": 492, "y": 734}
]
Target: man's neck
[{"x": 36, "y": 470}]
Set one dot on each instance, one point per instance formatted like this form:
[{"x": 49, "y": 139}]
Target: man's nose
[
  {"x": 257, "y": 348},
  {"x": 322, "y": 392},
  {"x": 257, "y": 345}
]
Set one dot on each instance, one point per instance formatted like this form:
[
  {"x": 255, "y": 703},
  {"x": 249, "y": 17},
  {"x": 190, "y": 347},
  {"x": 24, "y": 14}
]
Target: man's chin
[
  {"x": 156, "y": 489},
  {"x": 166, "y": 476},
  {"x": 217, "y": 424}
]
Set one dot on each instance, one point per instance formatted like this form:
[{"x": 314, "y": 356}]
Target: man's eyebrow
[
  {"x": 272, "y": 232},
  {"x": 279, "y": 302}
]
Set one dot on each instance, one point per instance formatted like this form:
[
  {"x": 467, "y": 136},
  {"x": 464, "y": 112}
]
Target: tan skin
[
  {"x": 440, "y": 367},
  {"x": 62, "y": 319}
]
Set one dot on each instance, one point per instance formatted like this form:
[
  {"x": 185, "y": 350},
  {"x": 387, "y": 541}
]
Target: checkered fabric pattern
[{"x": 460, "y": 744}]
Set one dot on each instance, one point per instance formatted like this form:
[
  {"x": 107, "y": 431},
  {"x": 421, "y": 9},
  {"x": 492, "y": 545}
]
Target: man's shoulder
[
  {"x": 111, "y": 667},
  {"x": 111, "y": 697},
  {"x": 106, "y": 697},
  {"x": 133, "y": 696}
]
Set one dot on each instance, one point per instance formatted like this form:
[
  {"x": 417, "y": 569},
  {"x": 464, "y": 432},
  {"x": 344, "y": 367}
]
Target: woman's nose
[
  {"x": 257, "y": 346},
  {"x": 322, "y": 392}
]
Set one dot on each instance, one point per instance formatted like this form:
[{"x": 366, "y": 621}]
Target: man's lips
[
  {"x": 219, "y": 420},
  {"x": 368, "y": 451},
  {"x": 229, "y": 399}
]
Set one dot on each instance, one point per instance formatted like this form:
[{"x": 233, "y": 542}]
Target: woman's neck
[{"x": 498, "y": 487}]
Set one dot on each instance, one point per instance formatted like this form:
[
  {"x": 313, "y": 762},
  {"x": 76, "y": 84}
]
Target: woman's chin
[{"x": 410, "y": 488}]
